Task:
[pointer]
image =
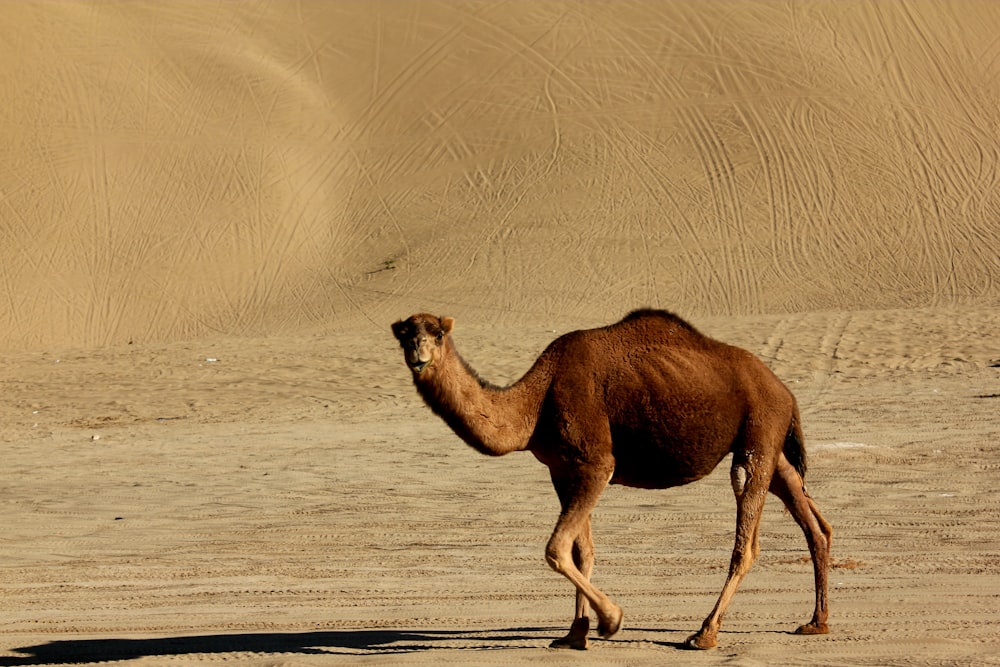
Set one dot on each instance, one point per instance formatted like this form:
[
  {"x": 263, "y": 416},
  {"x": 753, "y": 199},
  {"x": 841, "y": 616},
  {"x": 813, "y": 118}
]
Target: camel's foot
[
  {"x": 813, "y": 629},
  {"x": 577, "y": 637},
  {"x": 701, "y": 641},
  {"x": 609, "y": 625}
]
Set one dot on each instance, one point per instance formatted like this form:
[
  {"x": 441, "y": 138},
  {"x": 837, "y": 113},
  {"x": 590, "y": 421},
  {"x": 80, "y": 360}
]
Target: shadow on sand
[
  {"x": 330, "y": 642},
  {"x": 333, "y": 642}
]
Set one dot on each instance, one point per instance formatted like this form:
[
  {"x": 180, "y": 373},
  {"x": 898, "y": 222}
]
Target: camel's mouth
[{"x": 419, "y": 366}]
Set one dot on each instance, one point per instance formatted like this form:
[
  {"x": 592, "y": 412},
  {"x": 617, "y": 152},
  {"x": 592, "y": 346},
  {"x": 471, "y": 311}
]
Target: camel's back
[
  {"x": 649, "y": 355},
  {"x": 640, "y": 334},
  {"x": 655, "y": 356}
]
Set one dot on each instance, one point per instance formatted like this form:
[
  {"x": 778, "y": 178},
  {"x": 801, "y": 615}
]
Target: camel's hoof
[
  {"x": 575, "y": 643},
  {"x": 610, "y": 625},
  {"x": 577, "y": 637},
  {"x": 813, "y": 629},
  {"x": 700, "y": 642}
]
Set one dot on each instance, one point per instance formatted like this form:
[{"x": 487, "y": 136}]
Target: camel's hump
[{"x": 662, "y": 315}]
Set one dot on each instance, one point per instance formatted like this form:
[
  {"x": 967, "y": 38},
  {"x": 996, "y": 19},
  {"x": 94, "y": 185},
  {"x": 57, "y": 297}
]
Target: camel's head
[{"x": 422, "y": 338}]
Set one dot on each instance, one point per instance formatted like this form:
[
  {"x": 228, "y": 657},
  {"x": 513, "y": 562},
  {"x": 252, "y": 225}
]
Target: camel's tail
[{"x": 795, "y": 444}]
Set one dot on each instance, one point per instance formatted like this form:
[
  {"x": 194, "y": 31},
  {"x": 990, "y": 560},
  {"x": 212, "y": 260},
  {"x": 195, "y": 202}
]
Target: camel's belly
[{"x": 649, "y": 465}]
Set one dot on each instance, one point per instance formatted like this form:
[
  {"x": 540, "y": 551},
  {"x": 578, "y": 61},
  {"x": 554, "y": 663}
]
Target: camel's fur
[{"x": 646, "y": 402}]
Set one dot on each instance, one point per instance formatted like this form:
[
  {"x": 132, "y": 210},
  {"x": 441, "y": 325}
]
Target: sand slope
[
  {"x": 171, "y": 172},
  {"x": 211, "y": 213}
]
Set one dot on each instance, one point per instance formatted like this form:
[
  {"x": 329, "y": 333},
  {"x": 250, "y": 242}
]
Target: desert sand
[{"x": 211, "y": 213}]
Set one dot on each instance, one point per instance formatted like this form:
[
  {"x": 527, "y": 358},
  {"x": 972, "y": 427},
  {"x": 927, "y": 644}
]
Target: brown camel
[{"x": 647, "y": 402}]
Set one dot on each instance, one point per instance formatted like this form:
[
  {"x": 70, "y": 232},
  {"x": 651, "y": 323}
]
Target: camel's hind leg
[
  {"x": 750, "y": 486},
  {"x": 570, "y": 552},
  {"x": 788, "y": 485}
]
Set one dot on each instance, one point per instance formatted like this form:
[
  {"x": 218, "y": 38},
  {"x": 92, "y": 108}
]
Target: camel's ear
[
  {"x": 447, "y": 324},
  {"x": 398, "y": 328}
]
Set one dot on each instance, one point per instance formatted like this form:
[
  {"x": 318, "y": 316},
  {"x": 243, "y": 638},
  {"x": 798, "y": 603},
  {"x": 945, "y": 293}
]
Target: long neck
[{"x": 494, "y": 421}]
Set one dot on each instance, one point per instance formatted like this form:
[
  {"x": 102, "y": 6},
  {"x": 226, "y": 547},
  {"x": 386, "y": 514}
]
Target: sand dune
[
  {"x": 174, "y": 172},
  {"x": 210, "y": 213}
]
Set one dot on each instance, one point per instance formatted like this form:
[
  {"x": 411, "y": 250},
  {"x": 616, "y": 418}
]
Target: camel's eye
[{"x": 440, "y": 337}]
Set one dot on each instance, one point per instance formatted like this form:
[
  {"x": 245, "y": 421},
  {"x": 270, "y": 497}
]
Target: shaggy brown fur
[{"x": 647, "y": 402}]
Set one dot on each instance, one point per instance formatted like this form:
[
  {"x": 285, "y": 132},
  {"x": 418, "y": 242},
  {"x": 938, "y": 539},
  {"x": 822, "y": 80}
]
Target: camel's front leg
[
  {"x": 583, "y": 558},
  {"x": 570, "y": 552}
]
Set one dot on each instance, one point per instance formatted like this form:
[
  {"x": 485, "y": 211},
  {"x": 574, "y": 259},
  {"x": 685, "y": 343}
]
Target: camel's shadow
[{"x": 331, "y": 642}]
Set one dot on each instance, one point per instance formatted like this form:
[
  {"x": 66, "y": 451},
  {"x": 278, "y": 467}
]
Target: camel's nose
[{"x": 413, "y": 348}]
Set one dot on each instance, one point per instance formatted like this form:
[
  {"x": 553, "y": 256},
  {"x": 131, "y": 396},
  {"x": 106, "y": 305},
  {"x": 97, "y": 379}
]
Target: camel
[{"x": 647, "y": 402}]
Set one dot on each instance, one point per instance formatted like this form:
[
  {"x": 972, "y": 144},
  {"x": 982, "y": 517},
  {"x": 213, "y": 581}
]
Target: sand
[{"x": 210, "y": 214}]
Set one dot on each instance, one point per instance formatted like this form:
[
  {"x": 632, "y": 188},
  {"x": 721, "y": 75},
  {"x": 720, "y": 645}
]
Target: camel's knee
[
  {"x": 742, "y": 561},
  {"x": 824, "y": 525},
  {"x": 825, "y": 536},
  {"x": 745, "y": 551},
  {"x": 557, "y": 555},
  {"x": 818, "y": 532}
]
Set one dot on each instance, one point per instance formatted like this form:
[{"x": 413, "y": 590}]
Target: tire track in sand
[{"x": 631, "y": 142}]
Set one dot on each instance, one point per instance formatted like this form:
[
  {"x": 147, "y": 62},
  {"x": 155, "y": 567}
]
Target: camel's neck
[{"x": 492, "y": 420}]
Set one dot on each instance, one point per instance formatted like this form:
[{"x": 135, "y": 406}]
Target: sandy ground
[{"x": 211, "y": 213}]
